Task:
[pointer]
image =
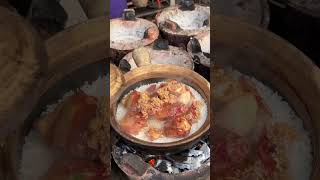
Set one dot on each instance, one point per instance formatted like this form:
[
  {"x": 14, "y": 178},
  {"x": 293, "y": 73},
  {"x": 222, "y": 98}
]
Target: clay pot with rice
[{"x": 69, "y": 138}]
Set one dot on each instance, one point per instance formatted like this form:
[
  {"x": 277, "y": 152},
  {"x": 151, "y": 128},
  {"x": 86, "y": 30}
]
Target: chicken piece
[
  {"x": 239, "y": 115},
  {"x": 178, "y": 127},
  {"x": 185, "y": 97},
  {"x": 193, "y": 114},
  {"x": 248, "y": 87},
  {"x": 152, "y": 90},
  {"x": 76, "y": 170},
  {"x": 131, "y": 101},
  {"x": 132, "y": 123},
  {"x": 154, "y": 133},
  {"x": 230, "y": 151},
  {"x": 65, "y": 127},
  {"x": 148, "y": 106},
  {"x": 266, "y": 152},
  {"x": 171, "y": 110}
]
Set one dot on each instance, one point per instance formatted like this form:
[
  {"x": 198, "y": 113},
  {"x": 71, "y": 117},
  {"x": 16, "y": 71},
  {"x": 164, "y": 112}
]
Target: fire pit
[{"x": 193, "y": 163}]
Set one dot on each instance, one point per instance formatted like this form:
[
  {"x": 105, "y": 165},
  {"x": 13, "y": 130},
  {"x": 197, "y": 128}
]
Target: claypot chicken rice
[
  {"x": 161, "y": 112},
  {"x": 256, "y": 135}
]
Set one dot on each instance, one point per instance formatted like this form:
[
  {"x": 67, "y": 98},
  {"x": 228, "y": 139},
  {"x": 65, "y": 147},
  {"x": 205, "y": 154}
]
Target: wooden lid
[
  {"x": 116, "y": 79},
  {"x": 22, "y": 60}
]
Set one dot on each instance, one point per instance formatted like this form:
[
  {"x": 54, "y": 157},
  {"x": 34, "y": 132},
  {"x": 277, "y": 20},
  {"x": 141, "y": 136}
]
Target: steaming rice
[
  {"x": 299, "y": 152},
  {"x": 121, "y": 111},
  {"x": 37, "y": 157}
]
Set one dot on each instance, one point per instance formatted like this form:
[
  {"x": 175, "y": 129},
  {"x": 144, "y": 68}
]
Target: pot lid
[
  {"x": 253, "y": 12},
  {"x": 173, "y": 55},
  {"x": 22, "y": 61},
  {"x": 174, "y": 20},
  {"x": 131, "y": 34},
  {"x": 116, "y": 79}
]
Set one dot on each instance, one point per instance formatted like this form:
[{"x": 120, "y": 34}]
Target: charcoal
[
  {"x": 187, "y": 5},
  {"x": 137, "y": 160},
  {"x": 165, "y": 166}
]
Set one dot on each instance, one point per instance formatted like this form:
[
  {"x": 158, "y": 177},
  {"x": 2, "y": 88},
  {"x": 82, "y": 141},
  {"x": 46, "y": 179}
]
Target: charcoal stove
[
  {"x": 132, "y": 163},
  {"x": 193, "y": 163}
]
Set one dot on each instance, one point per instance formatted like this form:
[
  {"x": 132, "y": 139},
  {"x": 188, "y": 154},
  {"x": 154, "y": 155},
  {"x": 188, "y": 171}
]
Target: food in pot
[
  {"x": 161, "y": 112},
  {"x": 257, "y": 135},
  {"x": 74, "y": 129},
  {"x": 65, "y": 127}
]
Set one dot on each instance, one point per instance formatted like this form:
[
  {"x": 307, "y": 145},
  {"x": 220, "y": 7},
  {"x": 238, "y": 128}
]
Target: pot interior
[
  {"x": 143, "y": 79},
  {"x": 277, "y": 64},
  {"x": 73, "y": 80}
]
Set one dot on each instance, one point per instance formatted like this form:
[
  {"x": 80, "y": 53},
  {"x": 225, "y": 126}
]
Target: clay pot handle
[
  {"x": 129, "y": 15},
  {"x": 116, "y": 79},
  {"x": 141, "y": 56}
]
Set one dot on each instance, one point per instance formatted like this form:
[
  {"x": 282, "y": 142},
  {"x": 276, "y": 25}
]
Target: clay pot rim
[
  {"x": 189, "y": 33},
  {"x": 133, "y": 45},
  {"x": 189, "y": 64},
  {"x": 157, "y": 71}
]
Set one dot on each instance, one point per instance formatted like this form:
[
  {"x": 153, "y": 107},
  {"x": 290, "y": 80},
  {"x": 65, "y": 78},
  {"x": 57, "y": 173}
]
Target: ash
[{"x": 172, "y": 163}]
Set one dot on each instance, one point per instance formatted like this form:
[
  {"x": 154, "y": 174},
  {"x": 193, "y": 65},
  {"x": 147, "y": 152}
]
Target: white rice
[
  {"x": 299, "y": 153},
  {"x": 37, "y": 157},
  {"x": 121, "y": 111}
]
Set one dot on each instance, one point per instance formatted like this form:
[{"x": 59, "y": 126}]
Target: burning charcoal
[
  {"x": 206, "y": 151},
  {"x": 173, "y": 26},
  {"x": 140, "y": 163},
  {"x": 194, "y": 153},
  {"x": 187, "y": 5},
  {"x": 166, "y": 166},
  {"x": 195, "y": 45},
  {"x": 124, "y": 65},
  {"x": 134, "y": 162},
  {"x": 129, "y": 15},
  {"x": 161, "y": 44}
]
